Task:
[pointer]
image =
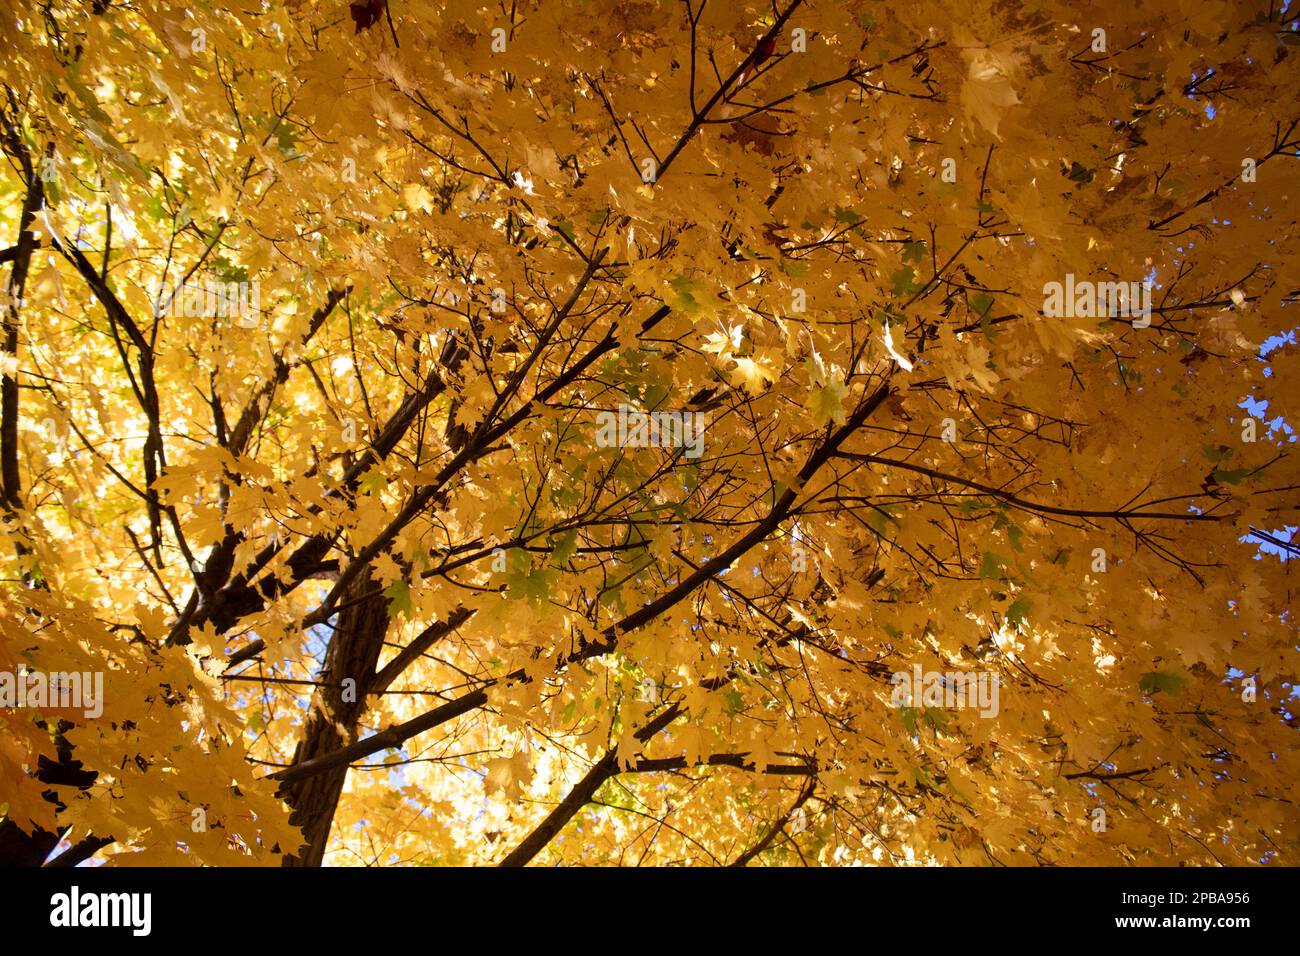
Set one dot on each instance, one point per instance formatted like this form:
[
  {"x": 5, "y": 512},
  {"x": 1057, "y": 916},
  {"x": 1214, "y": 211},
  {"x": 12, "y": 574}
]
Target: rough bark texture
[{"x": 335, "y": 712}]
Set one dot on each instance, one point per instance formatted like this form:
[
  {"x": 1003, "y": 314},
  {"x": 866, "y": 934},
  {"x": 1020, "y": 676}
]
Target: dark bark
[
  {"x": 336, "y": 710},
  {"x": 10, "y": 486}
]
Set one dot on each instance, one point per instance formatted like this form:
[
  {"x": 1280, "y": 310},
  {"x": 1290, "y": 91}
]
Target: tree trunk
[{"x": 337, "y": 707}]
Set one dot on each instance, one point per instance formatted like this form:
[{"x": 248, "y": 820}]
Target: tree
[{"x": 649, "y": 433}]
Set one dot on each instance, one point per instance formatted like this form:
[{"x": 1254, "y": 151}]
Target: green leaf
[
  {"x": 846, "y": 215},
  {"x": 691, "y": 297},
  {"x": 986, "y": 326},
  {"x": 286, "y": 137},
  {"x": 153, "y": 207},
  {"x": 908, "y": 716},
  {"x": 372, "y": 482},
  {"x": 1162, "y": 681},
  {"x": 914, "y": 251},
  {"x": 991, "y": 567},
  {"x": 1014, "y": 533},
  {"x": 937, "y": 718},
  {"x": 653, "y": 395},
  {"x": 612, "y": 597},
  {"x": 1017, "y": 611},
  {"x": 399, "y": 599},
  {"x": 905, "y": 281},
  {"x": 879, "y": 516},
  {"x": 1080, "y": 174},
  {"x": 827, "y": 403},
  {"x": 1229, "y": 476},
  {"x": 566, "y": 545},
  {"x": 528, "y": 583},
  {"x": 227, "y": 271}
]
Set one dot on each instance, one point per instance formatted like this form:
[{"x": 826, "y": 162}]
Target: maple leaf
[
  {"x": 753, "y": 374},
  {"x": 987, "y": 93},
  {"x": 399, "y": 598},
  {"x": 480, "y": 450},
  {"x": 508, "y": 774},
  {"x": 827, "y": 402}
]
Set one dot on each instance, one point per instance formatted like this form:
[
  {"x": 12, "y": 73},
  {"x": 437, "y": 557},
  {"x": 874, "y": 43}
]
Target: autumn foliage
[{"x": 311, "y": 315}]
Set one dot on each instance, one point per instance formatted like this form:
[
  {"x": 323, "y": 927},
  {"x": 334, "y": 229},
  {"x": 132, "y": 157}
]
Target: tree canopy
[{"x": 555, "y": 432}]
